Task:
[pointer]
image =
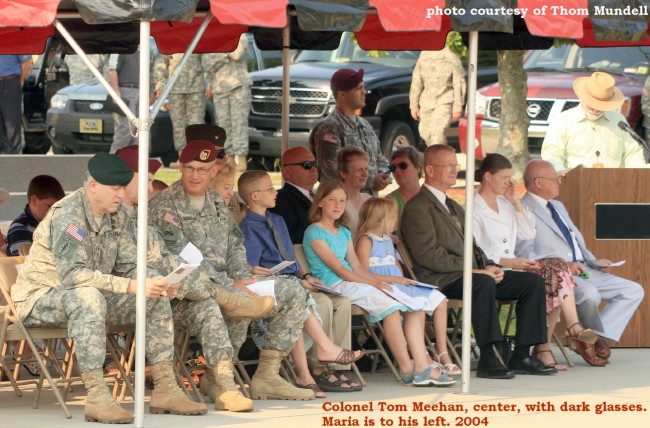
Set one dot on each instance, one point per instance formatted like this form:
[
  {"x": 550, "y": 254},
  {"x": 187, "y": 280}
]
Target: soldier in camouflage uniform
[
  {"x": 437, "y": 93},
  {"x": 344, "y": 128},
  {"x": 645, "y": 107},
  {"x": 188, "y": 211},
  {"x": 230, "y": 86},
  {"x": 192, "y": 308},
  {"x": 80, "y": 73},
  {"x": 77, "y": 276},
  {"x": 187, "y": 96}
]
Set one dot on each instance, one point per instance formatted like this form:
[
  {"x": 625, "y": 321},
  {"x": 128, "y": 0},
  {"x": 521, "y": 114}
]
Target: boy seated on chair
[{"x": 267, "y": 243}]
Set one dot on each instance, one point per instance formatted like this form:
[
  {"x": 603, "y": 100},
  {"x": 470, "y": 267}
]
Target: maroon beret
[
  {"x": 212, "y": 133},
  {"x": 199, "y": 150},
  {"x": 346, "y": 79},
  {"x": 129, "y": 155}
]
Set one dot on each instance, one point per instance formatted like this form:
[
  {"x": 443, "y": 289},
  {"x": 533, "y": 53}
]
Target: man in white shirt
[
  {"x": 557, "y": 236},
  {"x": 588, "y": 134}
]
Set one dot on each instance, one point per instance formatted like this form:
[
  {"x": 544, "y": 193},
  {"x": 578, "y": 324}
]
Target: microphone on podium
[{"x": 627, "y": 128}]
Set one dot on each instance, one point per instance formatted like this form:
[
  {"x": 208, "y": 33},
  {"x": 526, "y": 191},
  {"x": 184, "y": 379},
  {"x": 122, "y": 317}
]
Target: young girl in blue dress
[
  {"x": 328, "y": 248},
  {"x": 375, "y": 250}
]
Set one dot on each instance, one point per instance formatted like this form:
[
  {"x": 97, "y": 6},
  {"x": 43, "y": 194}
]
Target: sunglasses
[
  {"x": 221, "y": 154},
  {"x": 305, "y": 164},
  {"x": 401, "y": 165}
]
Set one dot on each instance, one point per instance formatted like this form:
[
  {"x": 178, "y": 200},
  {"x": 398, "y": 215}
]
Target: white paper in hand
[
  {"x": 178, "y": 274},
  {"x": 191, "y": 254},
  {"x": 280, "y": 266},
  {"x": 325, "y": 289},
  {"x": 600, "y": 265},
  {"x": 404, "y": 299},
  {"x": 264, "y": 288}
]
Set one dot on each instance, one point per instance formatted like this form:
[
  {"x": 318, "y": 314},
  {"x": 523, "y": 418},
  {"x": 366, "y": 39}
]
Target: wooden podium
[{"x": 580, "y": 191}]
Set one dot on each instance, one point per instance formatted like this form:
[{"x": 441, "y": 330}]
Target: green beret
[{"x": 109, "y": 170}]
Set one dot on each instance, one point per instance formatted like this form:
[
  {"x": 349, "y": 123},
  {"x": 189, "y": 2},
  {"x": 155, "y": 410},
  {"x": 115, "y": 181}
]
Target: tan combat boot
[
  {"x": 237, "y": 306},
  {"x": 242, "y": 163},
  {"x": 167, "y": 397},
  {"x": 100, "y": 405},
  {"x": 267, "y": 383},
  {"x": 218, "y": 383}
]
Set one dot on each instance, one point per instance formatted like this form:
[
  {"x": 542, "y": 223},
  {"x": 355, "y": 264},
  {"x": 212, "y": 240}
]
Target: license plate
[{"x": 90, "y": 126}]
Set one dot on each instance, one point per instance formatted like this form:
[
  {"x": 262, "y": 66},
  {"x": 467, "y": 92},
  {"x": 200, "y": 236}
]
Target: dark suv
[{"x": 79, "y": 121}]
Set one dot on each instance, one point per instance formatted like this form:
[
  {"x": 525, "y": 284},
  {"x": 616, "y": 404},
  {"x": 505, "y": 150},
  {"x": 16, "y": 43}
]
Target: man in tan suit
[{"x": 432, "y": 228}]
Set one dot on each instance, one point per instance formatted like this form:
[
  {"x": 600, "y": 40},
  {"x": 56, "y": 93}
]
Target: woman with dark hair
[
  {"x": 406, "y": 164},
  {"x": 499, "y": 219}
]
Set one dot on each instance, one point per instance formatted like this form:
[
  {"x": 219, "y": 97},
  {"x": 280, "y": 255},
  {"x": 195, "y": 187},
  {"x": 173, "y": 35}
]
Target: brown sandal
[
  {"x": 314, "y": 388},
  {"x": 345, "y": 357},
  {"x": 585, "y": 335}
]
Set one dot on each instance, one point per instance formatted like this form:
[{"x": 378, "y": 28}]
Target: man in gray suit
[
  {"x": 557, "y": 236},
  {"x": 433, "y": 231}
]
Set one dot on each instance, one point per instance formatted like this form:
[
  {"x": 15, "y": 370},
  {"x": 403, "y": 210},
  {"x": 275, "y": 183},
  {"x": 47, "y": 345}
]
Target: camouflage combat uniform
[
  {"x": 645, "y": 107},
  {"x": 336, "y": 131},
  {"x": 76, "y": 276},
  {"x": 187, "y": 96},
  {"x": 193, "y": 308},
  {"x": 231, "y": 89},
  {"x": 437, "y": 89},
  {"x": 79, "y": 72},
  {"x": 213, "y": 231}
]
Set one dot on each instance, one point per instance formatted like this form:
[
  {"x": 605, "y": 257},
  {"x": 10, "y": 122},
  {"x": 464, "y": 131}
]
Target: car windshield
[
  {"x": 630, "y": 60},
  {"x": 349, "y": 51}
]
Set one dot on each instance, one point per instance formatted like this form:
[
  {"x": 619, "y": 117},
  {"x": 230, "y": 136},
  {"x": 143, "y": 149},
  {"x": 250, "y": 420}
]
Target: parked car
[
  {"x": 79, "y": 121},
  {"x": 387, "y": 79},
  {"x": 551, "y": 74}
]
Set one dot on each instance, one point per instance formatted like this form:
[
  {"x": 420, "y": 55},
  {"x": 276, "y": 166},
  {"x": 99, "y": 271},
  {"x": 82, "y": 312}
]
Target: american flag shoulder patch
[
  {"x": 171, "y": 219},
  {"x": 330, "y": 138},
  {"x": 75, "y": 232}
]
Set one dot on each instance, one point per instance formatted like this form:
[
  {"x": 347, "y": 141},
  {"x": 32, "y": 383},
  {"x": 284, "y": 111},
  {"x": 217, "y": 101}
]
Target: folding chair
[
  {"x": 14, "y": 330},
  {"x": 455, "y": 306}
]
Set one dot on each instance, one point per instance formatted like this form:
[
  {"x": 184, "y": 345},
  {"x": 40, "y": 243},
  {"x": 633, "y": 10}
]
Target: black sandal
[
  {"x": 324, "y": 382},
  {"x": 351, "y": 378}
]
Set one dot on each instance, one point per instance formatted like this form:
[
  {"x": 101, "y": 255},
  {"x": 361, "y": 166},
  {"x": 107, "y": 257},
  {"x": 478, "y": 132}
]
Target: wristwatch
[{"x": 305, "y": 275}]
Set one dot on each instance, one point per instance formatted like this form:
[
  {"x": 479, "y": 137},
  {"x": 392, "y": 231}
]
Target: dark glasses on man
[
  {"x": 305, "y": 164},
  {"x": 221, "y": 154},
  {"x": 401, "y": 165}
]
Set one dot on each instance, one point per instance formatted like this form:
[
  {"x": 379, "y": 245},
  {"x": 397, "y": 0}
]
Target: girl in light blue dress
[
  {"x": 328, "y": 248},
  {"x": 375, "y": 250}
]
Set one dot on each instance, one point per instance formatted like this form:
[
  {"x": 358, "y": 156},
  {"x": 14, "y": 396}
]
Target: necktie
[
  {"x": 560, "y": 224},
  {"x": 452, "y": 212},
  {"x": 311, "y": 195},
  {"x": 278, "y": 241}
]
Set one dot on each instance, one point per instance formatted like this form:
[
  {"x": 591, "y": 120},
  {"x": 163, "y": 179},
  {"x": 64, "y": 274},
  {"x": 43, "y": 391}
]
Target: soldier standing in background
[
  {"x": 76, "y": 276},
  {"x": 124, "y": 74},
  {"x": 230, "y": 87},
  {"x": 437, "y": 93},
  {"x": 13, "y": 71},
  {"x": 187, "y": 96},
  {"x": 80, "y": 73}
]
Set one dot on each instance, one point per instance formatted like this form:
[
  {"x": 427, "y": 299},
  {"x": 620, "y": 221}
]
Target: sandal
[
  {"x": 407, "y": 379},
  {"x": 344, "y": 358},
  {"x": 559, "y": 367},
  {"x": 423, "y": 378},
  {"x": 325, "y": 384},
  {"x": 318, "y": 393},
  {"x": 450, "y": 368},
  {"x": 350, "y": 380},
  {"x": 585, "y": 335}
]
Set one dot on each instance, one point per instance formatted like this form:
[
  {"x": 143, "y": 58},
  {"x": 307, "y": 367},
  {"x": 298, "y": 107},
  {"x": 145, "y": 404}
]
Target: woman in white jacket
[{"x": 499, "y": 219}]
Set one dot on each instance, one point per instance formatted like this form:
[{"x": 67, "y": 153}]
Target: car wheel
[
  {"x": 61, "y": 150},
  {"x": 397, "y": 134},
  {"x": 169, "y": 157},
  {"x": 36, "y": 143}
]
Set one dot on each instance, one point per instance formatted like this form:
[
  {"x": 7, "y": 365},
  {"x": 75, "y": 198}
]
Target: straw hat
[{"x": 598, "y": 91}]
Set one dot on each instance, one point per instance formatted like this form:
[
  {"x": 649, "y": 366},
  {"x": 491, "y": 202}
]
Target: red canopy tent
[{"x": 378, "y": 24}]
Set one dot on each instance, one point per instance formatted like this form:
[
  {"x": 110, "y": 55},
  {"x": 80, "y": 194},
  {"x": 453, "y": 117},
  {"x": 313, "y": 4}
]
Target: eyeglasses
[
  {"x": 221, "y": 154},
  {"x": 401, "y": 165},
  {"x": 449, "y": 167},
  {"x": 558, "y": 180},
  {"x": 201, "y": 171},
  {"x": 305, "y": 164}
]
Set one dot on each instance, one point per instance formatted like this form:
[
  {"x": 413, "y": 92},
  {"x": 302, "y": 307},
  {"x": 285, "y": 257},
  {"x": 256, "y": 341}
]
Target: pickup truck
[{"x": 551, "y": 74}]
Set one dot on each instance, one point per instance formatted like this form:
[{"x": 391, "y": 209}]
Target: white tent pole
[
  {"x": 186, "y": 56},
  {"x": 118, "y": 100},
  {"x": 468, "y": 254},
  {"x": 286, "y": 88},
  {"x": 144, "y": 126}
]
